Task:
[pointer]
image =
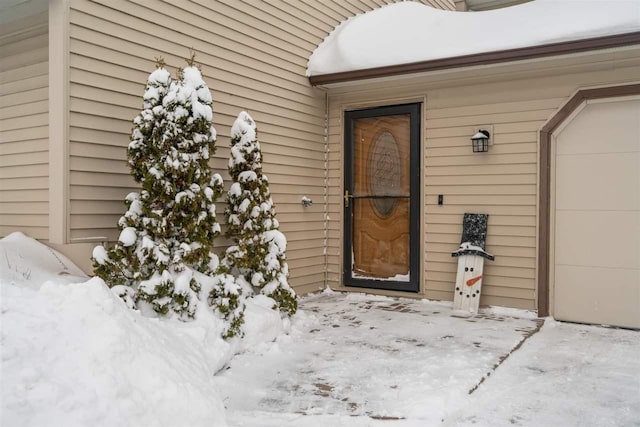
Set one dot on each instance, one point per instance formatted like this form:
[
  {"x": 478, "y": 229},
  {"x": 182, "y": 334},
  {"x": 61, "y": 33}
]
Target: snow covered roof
[{"x": 408, "y": 32}]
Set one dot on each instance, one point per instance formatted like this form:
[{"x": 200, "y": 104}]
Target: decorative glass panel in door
[{"x": 382, "y": 174}]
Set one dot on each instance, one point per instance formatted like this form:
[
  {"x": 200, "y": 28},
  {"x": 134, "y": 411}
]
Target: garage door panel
[
  {"x": 598, "y": 181},
  {"x": 581, "y": 137},
  {"x": 597, "y": 216},
  {"x": 597, "y": 238},
  {"x": 608, "y": 296}
]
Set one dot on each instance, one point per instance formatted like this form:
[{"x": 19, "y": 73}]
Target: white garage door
[{"x": 597, "y": 216}]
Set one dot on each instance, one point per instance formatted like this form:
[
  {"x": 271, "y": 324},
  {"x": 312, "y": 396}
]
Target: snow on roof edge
[{"x": 372, "y": 40}]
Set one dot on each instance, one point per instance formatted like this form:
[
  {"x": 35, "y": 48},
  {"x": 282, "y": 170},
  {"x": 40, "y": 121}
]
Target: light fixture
[{"x": 480, "y": 141}]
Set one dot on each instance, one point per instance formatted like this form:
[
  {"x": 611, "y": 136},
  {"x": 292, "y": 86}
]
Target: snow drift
[
  {"x": 73, "y": 354},
  {"x": 409, "y": 32}
]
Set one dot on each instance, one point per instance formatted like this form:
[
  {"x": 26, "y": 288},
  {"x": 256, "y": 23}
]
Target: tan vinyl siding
[
  {"x": 253, "y": 56},
  {"x": 502, "y": 182},
  {"x": 24, "y": 153}
]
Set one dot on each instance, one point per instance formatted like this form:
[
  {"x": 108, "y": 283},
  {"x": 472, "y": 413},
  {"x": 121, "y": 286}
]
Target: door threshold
[{"x": 380, "y": 292}]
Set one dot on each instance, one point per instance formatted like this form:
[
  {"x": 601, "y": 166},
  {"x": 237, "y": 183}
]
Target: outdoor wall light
[{"x": 480, "y": 141}]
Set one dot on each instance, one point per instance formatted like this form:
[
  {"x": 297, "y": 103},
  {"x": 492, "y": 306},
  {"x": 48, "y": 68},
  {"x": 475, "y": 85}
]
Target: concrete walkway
[
  {"x": 359, "y": 360},
  {"x": 355, "y": 358}
]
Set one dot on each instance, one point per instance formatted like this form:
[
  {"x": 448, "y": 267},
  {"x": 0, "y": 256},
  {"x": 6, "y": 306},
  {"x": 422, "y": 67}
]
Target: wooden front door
[{"x": 381, "y": 200}]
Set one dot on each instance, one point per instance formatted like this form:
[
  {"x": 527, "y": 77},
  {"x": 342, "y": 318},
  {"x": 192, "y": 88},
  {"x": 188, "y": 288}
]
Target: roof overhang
[
  {"x": 478, "y": 5},
  {"x": 15, "y": 10},
  {"x": 479, "y": 59}
]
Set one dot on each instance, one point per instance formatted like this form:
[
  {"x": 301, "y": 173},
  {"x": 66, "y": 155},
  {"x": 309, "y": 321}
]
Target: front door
[{"x": 381, "y": 199}]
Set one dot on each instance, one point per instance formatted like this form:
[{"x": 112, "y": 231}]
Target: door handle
[{"x": 347, "y": 196}]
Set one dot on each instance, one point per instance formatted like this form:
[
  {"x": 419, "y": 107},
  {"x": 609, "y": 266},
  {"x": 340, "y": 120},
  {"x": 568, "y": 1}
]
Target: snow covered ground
[
  {"x": 566, "y": 375},
  {"x": 360, "y": 360},
  {"x": 72, "y": 354}
]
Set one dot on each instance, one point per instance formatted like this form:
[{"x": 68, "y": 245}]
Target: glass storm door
[{"x": 381, "y": 199}]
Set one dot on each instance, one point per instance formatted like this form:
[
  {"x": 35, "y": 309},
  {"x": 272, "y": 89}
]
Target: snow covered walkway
[
  {"x": 360, "y": 360},
  {"x": 377, "y": 358},
  {"x": 566, "y": 375}
]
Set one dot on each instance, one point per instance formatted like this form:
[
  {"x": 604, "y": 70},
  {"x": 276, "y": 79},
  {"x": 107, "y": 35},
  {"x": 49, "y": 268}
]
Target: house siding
[
  {"x": 24, "y": 127},
  {"x": 253, "y": 56},
  {"x": 502, "y": 183}
]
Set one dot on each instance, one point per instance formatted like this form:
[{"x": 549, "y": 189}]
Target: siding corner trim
[{"x": 58, "y": 121}]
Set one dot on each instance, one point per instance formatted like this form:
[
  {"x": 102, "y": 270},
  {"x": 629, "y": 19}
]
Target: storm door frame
[{"x": 414, "y": 110}]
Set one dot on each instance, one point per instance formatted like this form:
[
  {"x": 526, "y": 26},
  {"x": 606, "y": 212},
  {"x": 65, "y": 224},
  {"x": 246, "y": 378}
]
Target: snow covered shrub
[
  {"x": 226, "y": 296},
  {"x": 168, "y": 230},
  {"x": 258, "y": 256}
]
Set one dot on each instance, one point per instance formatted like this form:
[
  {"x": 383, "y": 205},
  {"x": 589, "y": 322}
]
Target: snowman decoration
[{"x": 471, "y": 256}]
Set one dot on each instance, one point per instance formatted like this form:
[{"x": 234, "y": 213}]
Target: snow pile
[
  {"x": 409, "y": 32},
  {"x": 73, "y": 354},
  {"x": 17, "y": 255},
  {"x": 76, "y": 355}
]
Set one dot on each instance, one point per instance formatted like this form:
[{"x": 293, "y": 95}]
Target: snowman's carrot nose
[{"x": 473, "y": 280}]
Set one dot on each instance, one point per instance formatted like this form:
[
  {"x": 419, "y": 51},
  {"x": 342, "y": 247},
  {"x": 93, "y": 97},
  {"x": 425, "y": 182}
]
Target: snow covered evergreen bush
[
  {"x": 225, "y": 295},
  {"x": 258, "y": 256},
  {"x": 164, "y": 254}
]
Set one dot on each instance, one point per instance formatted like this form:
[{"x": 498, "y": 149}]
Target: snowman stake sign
[{"x": 471, "y": 256}]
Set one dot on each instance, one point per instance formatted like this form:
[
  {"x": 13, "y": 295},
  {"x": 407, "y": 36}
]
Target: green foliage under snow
[
  {"x": 164, "y": 256},
  {"x": 258, "y": 256}
]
